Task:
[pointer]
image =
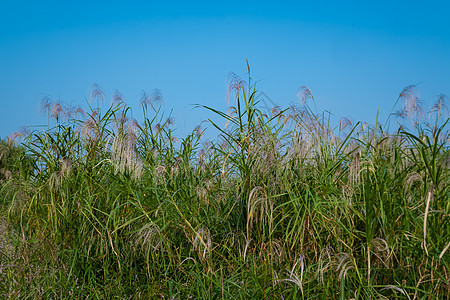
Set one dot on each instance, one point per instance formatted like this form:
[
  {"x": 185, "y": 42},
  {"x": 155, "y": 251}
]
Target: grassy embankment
[{"x": 281, "y": 204}]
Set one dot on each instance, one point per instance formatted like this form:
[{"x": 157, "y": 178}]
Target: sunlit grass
[{"x": 281, "y": 204}]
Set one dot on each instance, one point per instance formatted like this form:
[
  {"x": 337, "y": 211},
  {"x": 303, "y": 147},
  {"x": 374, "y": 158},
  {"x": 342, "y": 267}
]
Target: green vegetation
[{"x": 280, "y": 205}]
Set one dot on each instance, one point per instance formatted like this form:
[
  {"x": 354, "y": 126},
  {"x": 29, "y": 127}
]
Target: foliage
[{"x": 280, "y": 205}]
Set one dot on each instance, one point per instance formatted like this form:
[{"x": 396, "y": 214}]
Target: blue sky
[{"x": 355, "y": 56}]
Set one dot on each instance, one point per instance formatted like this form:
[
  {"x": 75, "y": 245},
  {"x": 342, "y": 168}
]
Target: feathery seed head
[
  {"x": 293, "y": 276},
  {"x": 145, "y": 99},
  {"x": 412, "y": 104},
  {"x": 156, "y": 97},
  {"x": 87, "y": 128},
  {"x": 235, "y": 84},
  {"x": 274, "y": 249},
  {"x": 117, "y": 98},
  {"x": 12, "y": 138},
  {"x": 265, "y": 154},
  {"x": 259, "y": 206},
  {"x": 160, "y": 171},
  {"x": 202, "y": 243},
  {"x": 45, "y": 105},
  {"x": 354, "y": 167},
  {"x": 138, "y": 170},
  {"x": 124, "y": 153},
  {"x": 413, "y": 178},
  {"x": 344, "y": 122},
  {"x": 177, "y": 163},
  {"x": 304, "y": 93},
  {"x": 380, "y": 249},
  {"x": 69, "y": 113},
  {"x": 202, "y": 195},
  {"x": 155, "y": 152},
  {"x": 149, "y": 236},
  {"x": 58, "y": 112},
  {"x": 57, "y": 177},
  {"x": 441, "y": 104},
  {"x": 409, "y": 92},
  {"x": 170, "y": 121},
  {"x": 157, "y": 129},
  {"x": 328, "y": 259},
  {"x": 276, "y": 110},
  {"x": 198, "y": 131},
  {"x": 232, "y": 111},
  {"x": 96, "y": 93},
  {"x": 66, "y": 167}
]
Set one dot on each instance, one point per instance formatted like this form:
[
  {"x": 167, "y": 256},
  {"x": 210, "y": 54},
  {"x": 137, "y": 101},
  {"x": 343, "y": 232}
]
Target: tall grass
[{"x": 281, "y": 204}]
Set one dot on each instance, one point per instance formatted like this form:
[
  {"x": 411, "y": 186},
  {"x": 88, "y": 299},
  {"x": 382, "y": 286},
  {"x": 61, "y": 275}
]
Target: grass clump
[{"x": 280, "y": 205}]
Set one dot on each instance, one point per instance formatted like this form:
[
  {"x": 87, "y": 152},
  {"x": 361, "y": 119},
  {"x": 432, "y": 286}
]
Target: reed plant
[{"x": 281, "y": 205}]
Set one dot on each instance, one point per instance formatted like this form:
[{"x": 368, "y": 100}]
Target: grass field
[{"x": 281, "y": 205}]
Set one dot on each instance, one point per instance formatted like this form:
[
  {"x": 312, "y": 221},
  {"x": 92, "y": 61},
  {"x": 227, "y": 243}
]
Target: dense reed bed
[{"x": 281, "y": 205}]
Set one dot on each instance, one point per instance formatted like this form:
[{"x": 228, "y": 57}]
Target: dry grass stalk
[
  {"x": 342, "y": 261},
  {"x": 202, "y": 243},
  {"x": 293, "y": 276},
  {"x": 149, "y": 236},
  {"x": 380, "y": 249},
  {"x": 124, "y": 154},
  {"x": 259, "y": 206},
  {"x": 427, "y": 209}
]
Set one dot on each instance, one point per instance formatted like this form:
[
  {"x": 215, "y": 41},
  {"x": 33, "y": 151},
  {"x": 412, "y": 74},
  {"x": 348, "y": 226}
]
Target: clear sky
[{"x": 355, "y": 56}]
